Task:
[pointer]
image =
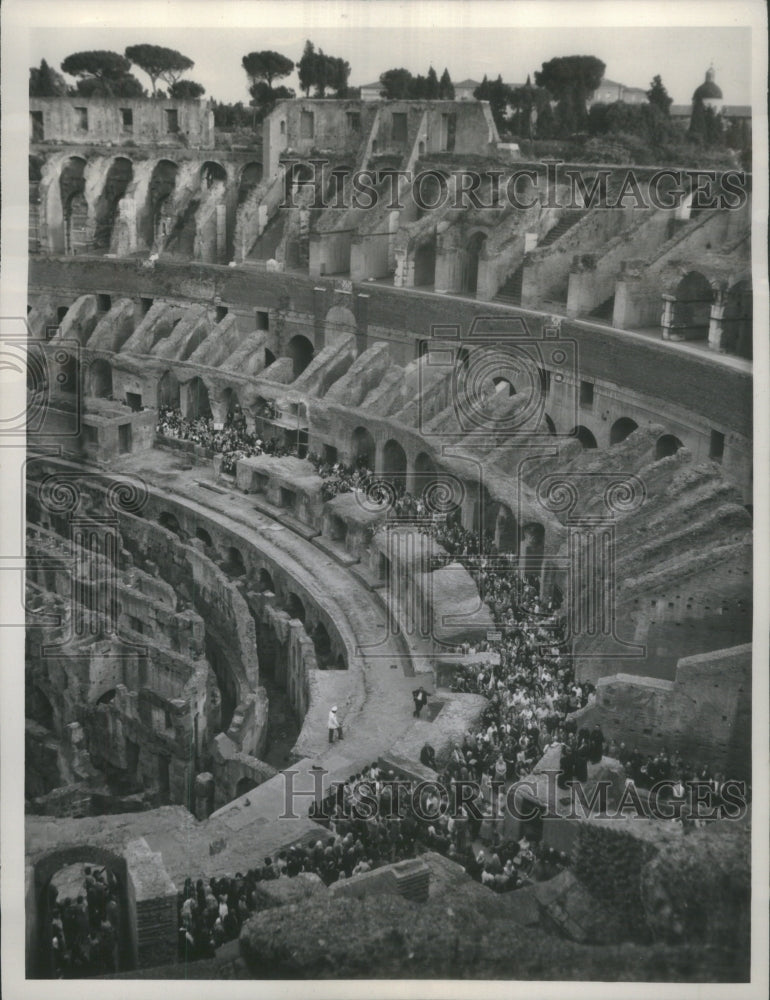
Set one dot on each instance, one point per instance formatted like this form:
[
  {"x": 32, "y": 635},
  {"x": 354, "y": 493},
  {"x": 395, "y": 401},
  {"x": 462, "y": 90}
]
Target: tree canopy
[
  {"x": 266, "y": 66},
  {"x": 159, "y": 63},
  {"x": 186, "y": 90},
  {"x": 102, "y": 73},
  {"x": 499, "y": 95},
  {"x": 396, "y": 84},
  {"x": 446, "y": 90},
  {"x": 657, "y": 95},
  {"x": 44, "y": 81},
  {"x": 571, "y": 80},
  {"x": 323, "y": 72}
]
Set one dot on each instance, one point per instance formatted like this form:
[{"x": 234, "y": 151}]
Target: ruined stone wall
[
  {"x": 704, "y": 714},
  {"x": 195, "y": 121}
]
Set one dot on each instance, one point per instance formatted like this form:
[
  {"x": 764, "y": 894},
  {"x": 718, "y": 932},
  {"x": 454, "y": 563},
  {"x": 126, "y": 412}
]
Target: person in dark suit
[{"x": 420, "y": 697}]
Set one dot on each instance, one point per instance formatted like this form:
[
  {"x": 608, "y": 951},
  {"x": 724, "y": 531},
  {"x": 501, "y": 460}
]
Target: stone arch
[
  {"x": 38, "y": 913},
  {"x": 338, "y": 528},
  {"x": 425, "y": 263},
  {"x": 474, "y": 249},
  {"x": 161, "y": 186},
  {"x": 340, "y": 323},
  {"x": 169, "y": 521},
  {"x": 323, "y": 646},
  {"x": 362, "y": 447},
  {"x": 72, "y": 186},
  {"x": 737, "y": 320},
  {"x": 667, "y": 445},
  {"x": 197, "y": 404},
  {"x": 168, "y": 390},
  {"x": 230, "y": 402},
  {"x": 506, "y": 531},
  {"x": 692, "y": 306},
  {"x": 250, "y": 177},
  {"x": 301, "y": 352},
  {"x": 394, "y": 461},
  {"x": 621, "y": 429},
  {"x": 193, "y": 342},
  {"x": 584, "y": 436},
  {"x": 532, "y": 547},
  {"x": 266, "y": 581},
  {"x": 295, "y": 608},
  {"x": 100, "y": 378},
  {"x": 424, "y": 465},
  {"x": 119, "y": 176},
  {"x": 202, "y": 535},
  {"x": 234, "y": 565},
  {"x": 212, "y": 172}
]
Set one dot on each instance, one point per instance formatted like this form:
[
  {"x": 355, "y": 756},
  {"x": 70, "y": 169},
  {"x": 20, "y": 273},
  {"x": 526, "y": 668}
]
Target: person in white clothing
[{"x": 334, "y": 725}]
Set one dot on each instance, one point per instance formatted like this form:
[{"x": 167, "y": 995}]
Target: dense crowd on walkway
[
  {"x": 233, "y": 441},
  {"x": 85, "y": 930}
]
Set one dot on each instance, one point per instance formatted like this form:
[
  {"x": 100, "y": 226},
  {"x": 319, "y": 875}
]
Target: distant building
[
  {"x": 609, "y": 92},
  {"x": 709, "y": 93},
  {"x": 371, "y": 91},
  {"x": 465, "y": 88}
]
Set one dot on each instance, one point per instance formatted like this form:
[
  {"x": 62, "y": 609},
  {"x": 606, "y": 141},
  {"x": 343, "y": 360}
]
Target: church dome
[{"x": 708, "y": 90}]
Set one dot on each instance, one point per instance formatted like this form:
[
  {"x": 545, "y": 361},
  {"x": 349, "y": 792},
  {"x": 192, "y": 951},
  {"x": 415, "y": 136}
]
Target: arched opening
[
  {"x": 362, "y": 448},
  {"x": 100, "y": 379},
  {"x": 230, "y": 404},
  {"x": 81, "y": 900},
  {"x": 38, "y": 706},
  {"x": 394, "y": 462},
  {"x": 234, "y": 565},
  {"x": 168, "y": 521},
  {"x": 323, "y": 646},
  {"x": 424, "y": 465},
  {"x": 106, "y": 697},
  {"x": 666, "y": 446},
  {"x": 72, "y": 185},
  {"x": 212, "y": 173},
  {"x": 204, "y": 537},
  {"x": 298, "y": 178},
  {"x": 295, "y": 608},
  {"x": 266, "y": 581},
  {"x": 507, "y": 531},
  {"x": 301, "y": 352},
  {"x": 340, "y": 323},
  {"x": 584, "y": 436},
  {"x": 532, "y": 548},
  {"x": 504, "y": 387},
  {"x": 193, "y": 343},
  {"x": 269, "y": 357},
  {"x": 425, "y": 264},
  {"x": 737, "y": 321},
  {"x": 168, "y": 391},
  {"x": 692, "y": 306},
  {"x": 159, "y": 223},
  {"x": 421, "y": 148},
  {"x": 338, "y": 528},
  {"x": 473, "y": 254},
  {"x": 197, "y": 400},
  {"x": 119, "y": 176},
  {"x": 244, "y": 785},
  {"x": 621, "y": 429},
  {"x": 251, "y": 175}
]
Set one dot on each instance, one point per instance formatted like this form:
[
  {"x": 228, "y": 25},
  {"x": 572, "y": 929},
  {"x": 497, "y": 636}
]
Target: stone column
[
  {"x": 716, "y": 329},
  {"x": 667, "y": 317}
]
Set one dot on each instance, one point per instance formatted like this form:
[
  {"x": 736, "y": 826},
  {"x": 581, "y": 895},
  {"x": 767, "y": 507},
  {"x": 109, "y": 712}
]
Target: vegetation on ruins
[
  {"x": 101, "y": 73},
  {"x": 186, "y": 90},
  {"x": 335, "y": 938},
  {"x": 159, "y": 63}
]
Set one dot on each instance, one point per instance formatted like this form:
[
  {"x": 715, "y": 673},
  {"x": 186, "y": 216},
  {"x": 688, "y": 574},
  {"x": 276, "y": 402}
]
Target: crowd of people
[
  {"x": 233, "y": 441},
  {"x": 85, "y": 930}
]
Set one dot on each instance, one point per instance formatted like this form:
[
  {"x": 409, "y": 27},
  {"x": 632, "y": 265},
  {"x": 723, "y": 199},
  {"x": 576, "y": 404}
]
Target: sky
[{"x": 469, "y": 41}]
